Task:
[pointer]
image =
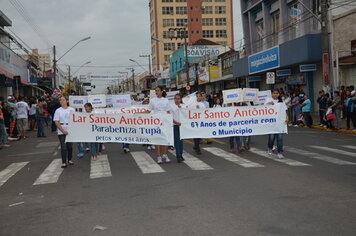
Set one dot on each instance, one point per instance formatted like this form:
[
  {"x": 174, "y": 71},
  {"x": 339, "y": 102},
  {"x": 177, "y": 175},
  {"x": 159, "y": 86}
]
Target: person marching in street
[
  {"x": 178, "y": 143},
  {"x": 200, "y": 105},
  {"x": 61, "y": 119},
  {"x": 279, "y": 136},
  {"x": 160, "y": 104},
  {"x": 94, "y": 147}
]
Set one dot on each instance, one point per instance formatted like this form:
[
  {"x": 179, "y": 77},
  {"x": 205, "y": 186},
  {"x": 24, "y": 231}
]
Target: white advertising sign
[
  {"x": 270, "y": 78},
  {"x": 232, "y": 95},
  {"x": 121, "y": 100},
  {"x": 250, "y": 94},
  {"x": 109, "y": 100},
  {"x": 77, "y": 101},
  {"x": 206, "y": 50},
  {"x": 155, "y": 129},
  {"x": 262, "y": 96},
  {"x": 97, "y": 100},
  {"x": 233, "y": 121}
]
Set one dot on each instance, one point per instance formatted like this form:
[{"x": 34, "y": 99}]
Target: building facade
[
  {"x": 284, "y": 37},
  {"x": 208, "y": 19}
]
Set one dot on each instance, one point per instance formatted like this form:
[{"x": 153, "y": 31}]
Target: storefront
[{"x": 296, "y": 64}]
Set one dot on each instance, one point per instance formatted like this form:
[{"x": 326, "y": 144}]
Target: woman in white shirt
[
  {"x": 61, "y": 119},
  {"x": 178, "y": 143},
  {"x": 160, "y": 104},
  {"x": 217, "y": 102}
]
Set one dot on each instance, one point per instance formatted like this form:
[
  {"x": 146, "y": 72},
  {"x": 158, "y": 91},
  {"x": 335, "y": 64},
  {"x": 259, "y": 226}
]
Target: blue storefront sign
[
  {"x": 307, "y": 68},
  {"x": 285, "y": 72},
  {"x": 264, "y": 61},
  {"x": 253, "y": 79}
]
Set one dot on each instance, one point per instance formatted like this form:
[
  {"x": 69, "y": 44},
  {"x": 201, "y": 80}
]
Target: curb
[{"x": 343, "y": 131}]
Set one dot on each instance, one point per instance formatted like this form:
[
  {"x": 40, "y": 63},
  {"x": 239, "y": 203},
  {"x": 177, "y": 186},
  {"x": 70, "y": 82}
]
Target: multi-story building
[{"x": 208, "y": 19}]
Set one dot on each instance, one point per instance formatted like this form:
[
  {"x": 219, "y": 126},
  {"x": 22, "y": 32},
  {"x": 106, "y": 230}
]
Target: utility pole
[
  {"x": 325, "y": 43},
  {"x": 69, "y": 84},
  {"x": 133, "y": 79},
  {"x": 54, "y": 67}
]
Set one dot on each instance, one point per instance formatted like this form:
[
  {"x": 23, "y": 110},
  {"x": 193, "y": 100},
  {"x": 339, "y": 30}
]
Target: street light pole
[{"x": 133, "y": 78}]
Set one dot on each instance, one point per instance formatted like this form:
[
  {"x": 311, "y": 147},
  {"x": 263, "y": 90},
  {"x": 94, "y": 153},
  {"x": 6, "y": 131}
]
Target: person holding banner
[
  {"x": 200, "y": 105},
  {"x": 178, "y": 143},
  {"x": 61, "y": 119},
  {"x": 160, "y": 104},
  {"x": 94, "y": 147},
  {"x": 276, "y": 98}
]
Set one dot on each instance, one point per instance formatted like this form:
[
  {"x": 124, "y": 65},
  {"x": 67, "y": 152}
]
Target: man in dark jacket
[{"x": 322, "y": 100}]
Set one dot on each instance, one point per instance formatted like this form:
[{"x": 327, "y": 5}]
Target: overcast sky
[{"x": 120, "y": 29}]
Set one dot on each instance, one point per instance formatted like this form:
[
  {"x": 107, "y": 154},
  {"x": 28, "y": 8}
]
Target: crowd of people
[{"x": 19, "y": 115}]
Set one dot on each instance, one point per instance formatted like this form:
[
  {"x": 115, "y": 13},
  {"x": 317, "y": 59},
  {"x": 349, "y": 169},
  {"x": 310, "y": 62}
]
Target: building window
[
  {"x": 166, "y": 59},
  {"x": 220, "y": 10},
  {"x": 181, "y": 22},
  {"x": 275, "y": 28},
  {"x": 219, "y": 0},
  {"x": 179, "y": 45},
  {"x": 167, "y": 11},
  {"x": 182, "y": 34},
  {"x": 181, "y": 10},
  {"x": 208, "y": 33},
  {"x": 168, "y": 34},
  {"x": 207, "y": 1},
  {"x": 260, "y": 35},
  {"x": 220, "y": 34},
  {"x": 220, "y": 21},
  {"x": 207, "y": 10},
  {"x": 207, "y": 21},
  {"x": 295, "y": 16},
  {"x": 167, "y": 0},
  {"x": 168, "y": 22},
  {"x": 181, "y": 0},
  {"x": 169, "y": 47}
]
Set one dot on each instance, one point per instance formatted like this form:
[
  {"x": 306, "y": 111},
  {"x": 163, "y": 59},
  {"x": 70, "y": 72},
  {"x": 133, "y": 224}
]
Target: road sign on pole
[{"x": 270, "y": 78}]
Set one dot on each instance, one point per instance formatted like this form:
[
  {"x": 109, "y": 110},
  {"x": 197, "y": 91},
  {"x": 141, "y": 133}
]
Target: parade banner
[
  {"x": 97, "y": 100},
  {"x": 249, "y": 94},
  {"x": 109, "y": 101},
  {"x": 122, "y": 110},
  {"x": 155, "y": 129},
  {"x": 233, "y": 121},
  {"x": 262, "y": 96},
  {"x": 77, "y": 101},
  {"x": 121, "y": 100},
  {"x": 232, "y": 95}
]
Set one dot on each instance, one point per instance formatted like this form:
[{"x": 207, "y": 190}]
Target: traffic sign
[
  {"x": 270, "y": 78},
  {"x": 187, "y": 88}
]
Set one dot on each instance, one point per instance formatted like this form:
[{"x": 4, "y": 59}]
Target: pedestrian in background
[
  {"x": 350, "y": 105},
  {"x": 22, "y": 117},
  {"x": 40, "y": 116},
  {"x": 3, "y": 134},
  {"x": 32, "y": 114},
  {"x": 322, "y": 100},
  {"x": 306, "y": 109},
  {"x": 337, "y": 108},
  {"x": 61, "y": 119}
]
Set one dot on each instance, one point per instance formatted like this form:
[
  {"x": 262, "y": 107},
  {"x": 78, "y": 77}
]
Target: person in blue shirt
[
  {"x": 350, "y": 105},
  {"x": 306, "y": 109}
]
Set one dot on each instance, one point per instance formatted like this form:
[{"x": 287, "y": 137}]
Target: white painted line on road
[
  {"x": 338, "y": 151},
  {"x": 29, "y": 154},
  {"x": 10, "y": 171},
  {"x": 46, "y": 144},
  {"x": 55, "y": 153},
  {"x": 232, "y": 157},
  {"x": 146, "y": 163},
  {"x": 350, "y": 146},
  {"x": 319, "y": 156},
  {"x": 51, "y": 174},
  {"x": 286, "y": 161},
  {"x": 193, "y": 162},
  {"x": 100, "y": 168}
]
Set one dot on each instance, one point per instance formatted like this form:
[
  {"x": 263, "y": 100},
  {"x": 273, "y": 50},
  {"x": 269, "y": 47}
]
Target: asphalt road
[{"x": 312, "y": 192}]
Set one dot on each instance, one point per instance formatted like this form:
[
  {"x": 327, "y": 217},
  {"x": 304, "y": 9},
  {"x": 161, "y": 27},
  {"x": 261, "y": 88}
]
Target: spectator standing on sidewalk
[
  {"x": 350, "y": 105},
  {"x": 61, "y": 119},
  {"x": 40, "y": 116},
  {"x": 32, "y": 114},
  {"x": 337, "y": 108},
  {"x": 343, "y": 96},
  {"x": 22, "y": 117},
  {"x": 3, "y": 134},
  {"x": 322, "y": 100},
  {"x": 296, "y": 107},
  {"x": 306, "y": 109}
]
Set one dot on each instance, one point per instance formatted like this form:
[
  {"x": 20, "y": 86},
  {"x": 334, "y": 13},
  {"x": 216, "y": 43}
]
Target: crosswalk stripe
[
  {"x": 146, "y": 163},
  {"x": 350, "y": 147},
  {"x": 51, "y": 174},
  {"x": 193, "y": 162},
  {"x": 338, "y": 151},
  {"x": 319, "y": 156},
  {"x": 12, "y": 169},
  {"x": 286, "y": 161},
  {"x": 100, "y": 168},
  {"x": 232, "y": 157}
]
